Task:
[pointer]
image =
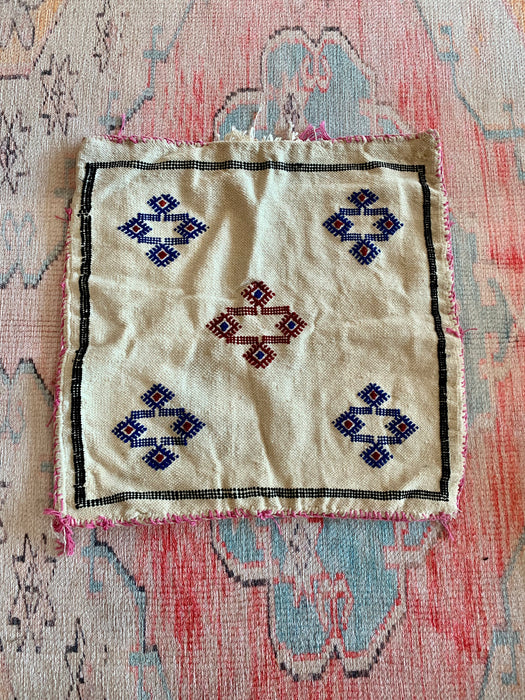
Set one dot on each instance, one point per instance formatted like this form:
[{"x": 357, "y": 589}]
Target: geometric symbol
[
  {"x": 129, "y": 430},
  {"x": 163, "y": 204},
  {"x": 363, "y": 199},
  {"x": 373, "y": 395},
  {"x": 258, "y": 294},
  {"x": 402, "y": 427},
  {"x": 224, "y": 325},
  {"x": 348, "y": 424},
  {"x": 351, "y": 422},
  {"x": 339, "y": 224},
  {"x": 163, "y": 253},
  {"x": 388, "y": 224},
  {"x": 159, "y": 457},
  {"x": 291, "y": 325},
  {"x": 135, "y": 228},
  {"x": 259, "y": 354},
  {"x": 376, "y": 455},
  {"x": 364, "y": 251},
  {"x": 157, "y": 396},
  {"x": 132, "y": 432},
  {"x": 187, "y": 425}
]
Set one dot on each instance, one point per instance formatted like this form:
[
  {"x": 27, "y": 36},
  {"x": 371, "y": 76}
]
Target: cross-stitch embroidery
[
  {"x": 364, "y": 250},
  {"x": 162, "y": 253},
  {"x": 260, "y": 354},
  {"x": 350, "y": 425},
  {"x": 185, "y": 427}
]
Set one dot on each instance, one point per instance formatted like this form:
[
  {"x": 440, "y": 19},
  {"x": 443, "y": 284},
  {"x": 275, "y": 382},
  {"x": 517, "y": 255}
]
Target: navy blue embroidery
[
  {"x": 376, "y": 455},
  {"x": 259, "y": 354},
  {"x": 339, "y": 225},
  {"x": 185, "y": 427},
  {"x": 129, "y": 430},
  {"x": 364, "y": 251},
  {"x": 373, "y": 395},
  {"x": 350, "y": 425},
  {"x": 159, "y": 457},
  {"x": 162, "y": 253},
  {"x": 157, "y": 396}
]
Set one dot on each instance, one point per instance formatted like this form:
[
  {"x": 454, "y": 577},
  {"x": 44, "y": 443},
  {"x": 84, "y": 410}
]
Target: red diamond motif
[
  {"x": 128, "y": 430},
  {"x": 187, "y": 426},
  {"x": 375, "y": 456},
  {"x": 348, "y": 424},
  {"x": 389, "y": 224},
  {"x": 402, "y": 427},
  {"x": 156, "y": 397},
  {"x": 373, "y": 395},
  {"x": 162, "y": 203},
  {"x": 338, "y": 224},
  {"x": 190, "y": 227},
  {"x": 159, "y": 457},
  {"x": 364, "y": 251},
  {"x": 361, "y": 197},
  {"x": 136, "y": 228},
  {"x": 162, "y": 254}
]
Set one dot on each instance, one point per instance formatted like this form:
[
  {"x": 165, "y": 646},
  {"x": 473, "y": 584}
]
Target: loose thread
[
  {"x": 63, "y": 525},
  {"x": 122, "y": 126}
]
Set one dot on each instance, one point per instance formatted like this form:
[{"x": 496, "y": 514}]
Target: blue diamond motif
[
  {"x": 373, "y": 395},
  {"x": 388, "y": 224},
  {"x": 376, "y": 455},
  {"x": 159, "y": 457},
  {"x": 402, "y": 428},
  {"x": 338, "y": 225},
  {"x": 363, "y": 198},
  {"x": 129, "y": 430},
  {"x": 162, "y": 254},
  {"x": 364, "y": 251},
  {"x": 187, "y": 425},
  {"x": 157, "y": 396},
  {"x": 163, "y": 204},
  {"x": 348, "y": 424}
]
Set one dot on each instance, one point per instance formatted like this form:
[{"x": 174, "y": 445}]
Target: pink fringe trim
[
  {"x": 458, "y": 331},
  {"x": 120, "y": 138},
  {"x": 320, "y": 134},
  {"x": 63, "y": 524},
  {"x": 312, "y": 134}
]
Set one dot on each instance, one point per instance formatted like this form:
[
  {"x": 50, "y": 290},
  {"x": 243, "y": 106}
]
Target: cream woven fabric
[{"x": 259, "y": 326}]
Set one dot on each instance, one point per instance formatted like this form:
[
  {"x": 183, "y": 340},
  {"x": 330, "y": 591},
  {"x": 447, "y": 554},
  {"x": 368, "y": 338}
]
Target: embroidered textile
[{"x": 346, "y": 395}]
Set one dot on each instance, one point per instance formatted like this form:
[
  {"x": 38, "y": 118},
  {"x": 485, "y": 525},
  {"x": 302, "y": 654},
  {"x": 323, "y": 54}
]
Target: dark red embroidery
[
  {"x": 260, "y": 354},
  {"x": 163, "y": 253},
  {"x": 185, "y": 427},
  {"x": 364, "y": 250},
  {"x": 350, "y": 425}
]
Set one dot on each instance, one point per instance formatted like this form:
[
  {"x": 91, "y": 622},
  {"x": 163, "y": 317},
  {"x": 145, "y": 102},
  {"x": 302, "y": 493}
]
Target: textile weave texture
[
  {"x": 241, "y": 608},
  {"x": 257, "y": 429}
]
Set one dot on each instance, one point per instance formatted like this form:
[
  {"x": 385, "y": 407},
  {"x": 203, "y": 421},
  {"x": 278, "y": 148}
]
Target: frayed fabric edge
[{"x": 63, "y": 524}]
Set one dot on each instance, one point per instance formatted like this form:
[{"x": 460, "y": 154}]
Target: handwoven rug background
[{"x": 244, "y": 609}]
